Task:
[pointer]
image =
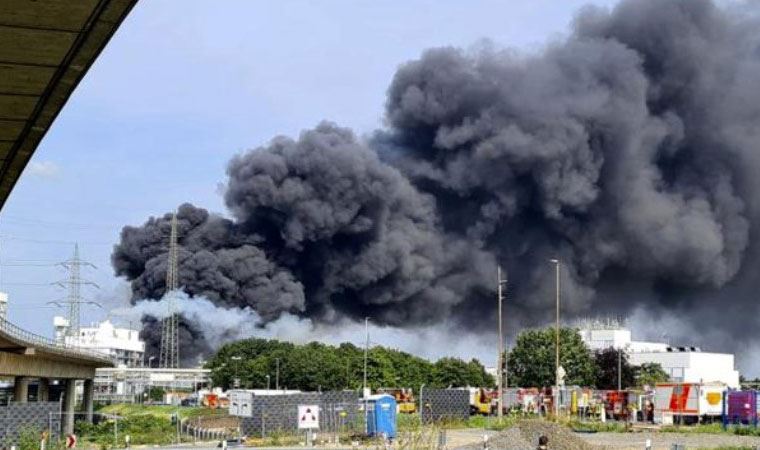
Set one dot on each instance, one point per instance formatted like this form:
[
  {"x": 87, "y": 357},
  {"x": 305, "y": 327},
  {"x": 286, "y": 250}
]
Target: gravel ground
[
  {"x": 664, "y": 441},
  {"x": 524, "y": 436}
]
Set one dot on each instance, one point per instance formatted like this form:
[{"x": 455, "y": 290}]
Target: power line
[
  {"x": 57, "y": 224},
  {"x": 26, "y": 265},
  {"x": 50, "y": 241}
]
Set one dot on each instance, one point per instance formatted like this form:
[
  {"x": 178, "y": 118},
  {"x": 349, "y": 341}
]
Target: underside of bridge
[{"x": 46, "y": 48}]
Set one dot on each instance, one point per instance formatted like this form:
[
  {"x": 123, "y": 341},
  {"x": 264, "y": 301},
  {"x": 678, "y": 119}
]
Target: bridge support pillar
[
  {"x": 69, "y": 400},
  {"x": 43, "y": 390},
  {"x": 21, "y": 389},
  {"x": 88, "y": 399}
]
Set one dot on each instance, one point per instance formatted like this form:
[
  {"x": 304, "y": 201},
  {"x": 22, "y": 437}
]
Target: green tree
[
  {"x": 318, "y": 366},
  {"x": 532, "y": 360},
  {"x": 156, "y": 394},
  {"x": 607, "y": 369},
  {"x": 457, "y": 373},
  {"x": 649, "y": 374}
]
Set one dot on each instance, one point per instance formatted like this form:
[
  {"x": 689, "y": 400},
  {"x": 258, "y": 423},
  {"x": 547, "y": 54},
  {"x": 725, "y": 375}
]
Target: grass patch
[
  {"x": 712, "y": 428},
  {"x": 597, "y": 427},
  {"x": 142, "y": 429},
  {"x": 166, "y": 411}
]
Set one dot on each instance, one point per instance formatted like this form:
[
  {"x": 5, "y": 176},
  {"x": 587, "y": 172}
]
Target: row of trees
[
  {"x": 255, "y": 362},
  {"x": 314, "y": 366},
  {"x": 532, "y": 363}
]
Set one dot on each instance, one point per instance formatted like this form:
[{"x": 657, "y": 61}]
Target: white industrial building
[
  {"x": 131, "y": 384},
  {"x": 121, "y": 344},
  {"x": 3, "y": 306},
  {"x": 682, "y": 364}
]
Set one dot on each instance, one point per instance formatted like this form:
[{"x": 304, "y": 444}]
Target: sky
[{"x": 185, "y": 85}]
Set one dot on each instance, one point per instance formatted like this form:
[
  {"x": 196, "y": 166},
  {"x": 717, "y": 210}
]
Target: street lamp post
[
  {"x": 268, "y": 382},
  {"x": 556, "y": 360},
  {"x": 499, "y": 366},
  {"x": 366, "y": 356},
  {"x": 236, "y": 380}
]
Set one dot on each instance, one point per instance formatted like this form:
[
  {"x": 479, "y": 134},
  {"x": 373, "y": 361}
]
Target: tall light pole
[
  {"x": 364, "y": 389},
  {"x": 556, "y": 361},
  {"x": 366, "y": 355},
  {"x": 499, "y": 366}
]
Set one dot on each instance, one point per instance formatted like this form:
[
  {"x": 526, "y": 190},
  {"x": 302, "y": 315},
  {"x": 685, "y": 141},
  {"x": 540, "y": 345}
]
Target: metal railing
[{"x": 30, "y": 339}]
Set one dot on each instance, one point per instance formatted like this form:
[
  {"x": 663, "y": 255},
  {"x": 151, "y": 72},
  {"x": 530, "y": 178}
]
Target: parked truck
[{"x": 481, "y": 401}]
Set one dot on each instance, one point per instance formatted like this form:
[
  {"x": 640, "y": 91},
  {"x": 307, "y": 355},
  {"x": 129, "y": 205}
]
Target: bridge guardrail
[{"x": 47, "y": 344}]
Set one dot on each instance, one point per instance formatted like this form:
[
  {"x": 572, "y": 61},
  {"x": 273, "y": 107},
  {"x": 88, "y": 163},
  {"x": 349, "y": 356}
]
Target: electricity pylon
[
  {"x": 169, "y": 353},
  {"x": 74, "y": 285}
]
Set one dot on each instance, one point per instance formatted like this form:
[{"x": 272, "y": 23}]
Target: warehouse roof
[{"x": 46, "y": 47}]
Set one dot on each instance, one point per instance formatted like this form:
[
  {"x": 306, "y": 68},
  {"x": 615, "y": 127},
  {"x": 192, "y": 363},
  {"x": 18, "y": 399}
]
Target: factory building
[
  {"x": 123, "y": 345},
  {"x": 682, "y": 364},
  {"x": 131, "y": 384}
]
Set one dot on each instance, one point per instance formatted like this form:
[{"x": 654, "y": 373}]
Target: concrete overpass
[
  {"x": 46, "y": 48},
  {"x": 24, "y": 356}
]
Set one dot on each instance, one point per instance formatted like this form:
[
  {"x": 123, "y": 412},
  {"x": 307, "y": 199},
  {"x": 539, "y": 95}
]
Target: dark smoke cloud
[
  {"x": 630, "y": 150},
  {"x": 322, "y": 228}
]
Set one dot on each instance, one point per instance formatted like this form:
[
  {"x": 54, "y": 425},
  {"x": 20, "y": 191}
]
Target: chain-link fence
[
  {"x": 444, "y": 405},
  {"x": 17, "y": 418},
  {"x": 278, "y": 414}
]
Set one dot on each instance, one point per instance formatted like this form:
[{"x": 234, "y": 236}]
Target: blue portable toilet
[{"x": 381, "y": 416}]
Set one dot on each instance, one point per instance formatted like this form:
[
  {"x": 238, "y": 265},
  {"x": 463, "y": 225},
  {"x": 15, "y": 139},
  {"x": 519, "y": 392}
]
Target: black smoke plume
[{"x": 630, "y": 151}]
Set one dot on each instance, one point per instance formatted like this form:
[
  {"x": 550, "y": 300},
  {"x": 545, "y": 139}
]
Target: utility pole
[
  {"x": 499, "y": 365},
  {"x": 169, "y": 353},
  {"x": 74, "y": 285},
  {"x": 620, "y": 366},
  {"x": 556, "y": 361}
]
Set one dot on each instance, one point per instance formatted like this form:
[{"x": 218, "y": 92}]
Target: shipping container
[
  {"x": 688, "y": 402},
  {"x": 741, "y": 408}
]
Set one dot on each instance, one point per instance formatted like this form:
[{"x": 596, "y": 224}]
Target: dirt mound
[
  {"x": 560, "y": 438},
  {"x": 509, "y": 439},
  {"x": 524, "y": 436}
]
